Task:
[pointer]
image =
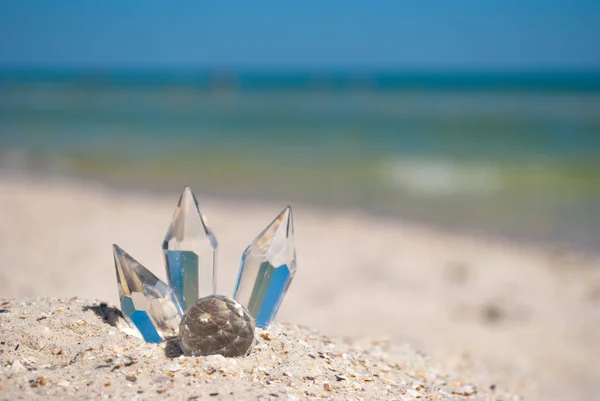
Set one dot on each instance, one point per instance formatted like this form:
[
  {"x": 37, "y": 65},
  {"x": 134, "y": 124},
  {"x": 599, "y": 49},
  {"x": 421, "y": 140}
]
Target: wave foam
[{"x": 442, "y": 177}]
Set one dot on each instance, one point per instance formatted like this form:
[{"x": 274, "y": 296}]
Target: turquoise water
[{"x": 516, "y": 155}]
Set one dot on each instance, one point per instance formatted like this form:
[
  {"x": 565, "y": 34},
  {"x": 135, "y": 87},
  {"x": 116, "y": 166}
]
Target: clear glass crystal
[
  {"x": 216, "y": 325},
  {"x": 190, "y": 251},
  {"x": 146, "y": 301},
  {"x": 267, "y": 269}
]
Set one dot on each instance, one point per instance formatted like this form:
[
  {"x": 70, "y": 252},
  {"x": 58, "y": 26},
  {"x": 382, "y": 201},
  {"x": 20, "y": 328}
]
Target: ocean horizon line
[{"x": 310, "y": 79}]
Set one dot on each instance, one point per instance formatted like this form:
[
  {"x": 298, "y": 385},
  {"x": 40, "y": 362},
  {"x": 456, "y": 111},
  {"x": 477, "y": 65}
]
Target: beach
[
  {"x": 77, "y": 354},
  {"x": 510, "y": 315}
]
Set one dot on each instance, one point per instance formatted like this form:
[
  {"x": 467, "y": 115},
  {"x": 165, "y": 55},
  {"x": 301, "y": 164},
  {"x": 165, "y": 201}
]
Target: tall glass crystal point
[
  {"x": 146, "y": 301},
  {"x": 267, "y": 269},
  {"x": 190, "y": 251}
]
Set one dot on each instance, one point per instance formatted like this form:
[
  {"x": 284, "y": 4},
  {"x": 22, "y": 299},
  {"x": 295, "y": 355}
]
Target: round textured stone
[{"x": 216, "y": 325}]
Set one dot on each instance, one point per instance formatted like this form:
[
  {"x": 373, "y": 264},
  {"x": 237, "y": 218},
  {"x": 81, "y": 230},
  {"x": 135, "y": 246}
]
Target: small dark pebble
[
  {"x": 493, "y": 387},
  {"x": 312, "y": 356},
  {"x": 274, "y": 395},
  {"x": 131, "y": 378},
  {"x": 40, "y": 381},
  {"x": 2, "y": 343},
  {"x": 3, "y": 310},
  {"x": 102, "y": 367},
  {"x": 41, "y": 318},
  {"x": 130, "y": 362},
  {"x": 17, "y": 347},
  {"x": 492, "y": 313},
  {"x": 339, "y": 378},
  {"x": 309, "y": 378},
  {"x": 213, "y": 394}
]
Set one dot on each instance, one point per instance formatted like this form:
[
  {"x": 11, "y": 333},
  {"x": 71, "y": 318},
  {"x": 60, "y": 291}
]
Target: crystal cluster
[{"x": 188, "y": 307}]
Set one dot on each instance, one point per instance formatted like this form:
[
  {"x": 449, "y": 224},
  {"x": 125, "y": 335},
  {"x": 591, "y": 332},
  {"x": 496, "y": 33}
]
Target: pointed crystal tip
[
  {"x": 146, "y": 301},
  {"x": 190, "y": 252},
  {"x": 267, "y": 269}
]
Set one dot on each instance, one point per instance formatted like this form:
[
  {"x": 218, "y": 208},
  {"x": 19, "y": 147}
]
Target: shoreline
[{"x": 155, "y": 189}]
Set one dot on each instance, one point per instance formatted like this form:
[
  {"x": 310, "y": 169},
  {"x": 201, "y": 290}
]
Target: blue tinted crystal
[
  {"x": 273, "y": 297},
  {"x": 183, "y": 275},
  {"x": 267, "y": 269},
  {"x": 146, "y": 301},
  {"x": 190, "y": 252},
  {"x": 144, "y": 324}
]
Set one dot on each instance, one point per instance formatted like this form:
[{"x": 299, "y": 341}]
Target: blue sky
[{"x": 435, "y": 34}]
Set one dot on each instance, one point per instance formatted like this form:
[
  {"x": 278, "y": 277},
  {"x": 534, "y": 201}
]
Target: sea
[{"x": 513, "y": 154}]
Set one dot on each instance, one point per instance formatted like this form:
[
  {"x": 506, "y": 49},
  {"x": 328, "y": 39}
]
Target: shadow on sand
[
  {"x": 108, "y": 314},
  {"x": 111, "y": 316},
  {"x": 172, "y": 348}
]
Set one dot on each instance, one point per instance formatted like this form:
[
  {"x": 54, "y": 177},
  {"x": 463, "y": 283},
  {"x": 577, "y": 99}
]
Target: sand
[
  {"x": 492, "y": 312},
  {"x": 77, "y": 355}
]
